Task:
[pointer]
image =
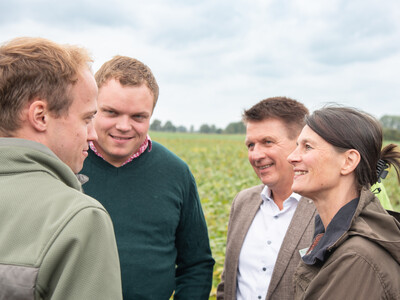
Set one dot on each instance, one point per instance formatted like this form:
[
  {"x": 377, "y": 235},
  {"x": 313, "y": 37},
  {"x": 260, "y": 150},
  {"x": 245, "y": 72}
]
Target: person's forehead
[
  {"x": 126, "y": 99},
  {"x": 84, "y": 94},
  {"x": 268, "y": 127},
  {"x": 114, "y": 82}
]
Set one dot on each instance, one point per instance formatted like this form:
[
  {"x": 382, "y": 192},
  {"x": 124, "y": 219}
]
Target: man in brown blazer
[{"x": 268, "y": 224}]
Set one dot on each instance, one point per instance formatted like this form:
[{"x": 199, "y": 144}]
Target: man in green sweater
[
  {"x": 56, "y": 242},
  {"x": 149, "y": 192}
]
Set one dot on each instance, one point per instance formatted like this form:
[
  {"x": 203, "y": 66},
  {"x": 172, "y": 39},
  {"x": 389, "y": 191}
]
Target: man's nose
[
  {"x": 123, "y": 123},
  {"x": 92, "y": 134}
]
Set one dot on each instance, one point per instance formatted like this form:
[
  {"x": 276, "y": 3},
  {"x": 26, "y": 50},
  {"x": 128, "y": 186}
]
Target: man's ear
[
  {"x": 38, "y": 114},
  {"x": 352, "y": 159}
]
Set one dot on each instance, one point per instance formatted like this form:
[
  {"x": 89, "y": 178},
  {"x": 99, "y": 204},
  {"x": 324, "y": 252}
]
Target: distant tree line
[
  {"x": 390, "y": 124},
  {"x": 391, "y": 127},
  {"x": 232, "y": 128}
]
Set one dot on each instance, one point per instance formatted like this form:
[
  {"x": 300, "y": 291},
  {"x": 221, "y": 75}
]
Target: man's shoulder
[
  {"x": 76, "y": 203},
  {"x": 303, "y": 201},
  {"x": 162, "y": 153},
  {"x": 160, "y": 148},
  {"x": 254, "y": 190},
  {"x": 244, "y": 197},
  {"x": 69, "y": 198},
  {"x": 87, "y": 201}
]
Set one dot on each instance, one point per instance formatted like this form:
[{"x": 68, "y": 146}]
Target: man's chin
[
  {"x": 267, "y": 180},
  {"x": 119, "y": 150}
]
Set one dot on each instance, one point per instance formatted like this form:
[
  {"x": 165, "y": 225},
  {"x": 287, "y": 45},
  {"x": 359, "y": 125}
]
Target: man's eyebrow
[
  {"x": 105, "y": 107},
  {"x": 141, "y": 113}
]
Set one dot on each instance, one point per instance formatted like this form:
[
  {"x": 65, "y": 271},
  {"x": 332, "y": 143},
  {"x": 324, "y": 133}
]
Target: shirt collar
[
  {"x": 146, "y": 144},
  {"x": 266, "y": 194}
]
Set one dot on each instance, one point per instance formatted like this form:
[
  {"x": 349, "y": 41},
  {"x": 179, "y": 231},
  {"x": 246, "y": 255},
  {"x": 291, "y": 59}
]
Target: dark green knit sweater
[{"x": 159, "y": 224}]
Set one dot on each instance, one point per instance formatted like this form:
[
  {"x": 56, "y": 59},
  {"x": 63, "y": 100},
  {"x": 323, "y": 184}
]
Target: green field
[{"x": 219, "y": 164}]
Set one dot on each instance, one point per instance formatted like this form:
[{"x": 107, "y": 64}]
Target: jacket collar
[
  {"x": 21, "y": 156},
  {"x": 339, "y": 225}
]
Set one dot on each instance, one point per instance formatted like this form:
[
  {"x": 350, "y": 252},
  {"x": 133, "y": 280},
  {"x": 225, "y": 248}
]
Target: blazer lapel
[
  {"x": 245, "y": 217},
  {"x": 302, "y": 217}
]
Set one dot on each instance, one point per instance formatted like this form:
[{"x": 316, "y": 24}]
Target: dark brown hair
[
  {"x": 348, "y": 128},
  {"x": 290, "y": 111}
]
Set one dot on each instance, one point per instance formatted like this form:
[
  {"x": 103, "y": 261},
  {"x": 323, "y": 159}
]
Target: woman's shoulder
[{"x": 363, "y": 250}]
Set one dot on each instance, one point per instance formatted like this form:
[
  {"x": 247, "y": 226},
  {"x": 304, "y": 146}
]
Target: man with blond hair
[
  {"x": 56, "y": 242},
  {"x": 150, "y": 193}
]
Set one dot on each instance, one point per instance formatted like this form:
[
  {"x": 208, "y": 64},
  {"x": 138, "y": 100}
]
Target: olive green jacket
[
  {"x": 56, "y": 243},
  {"x": 363, "y": 263}
]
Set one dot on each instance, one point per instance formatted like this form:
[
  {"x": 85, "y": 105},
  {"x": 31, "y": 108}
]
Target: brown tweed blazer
[{"x": 298, "y": 236}]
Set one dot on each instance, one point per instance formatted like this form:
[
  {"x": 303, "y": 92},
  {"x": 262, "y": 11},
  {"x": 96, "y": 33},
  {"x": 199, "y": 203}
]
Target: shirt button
[
  {"x": 264, "y": 269},
  {"x": 269, "y": 242},
  {"x": 276, "y": 217},
  {"x": 259, "y": 297}
]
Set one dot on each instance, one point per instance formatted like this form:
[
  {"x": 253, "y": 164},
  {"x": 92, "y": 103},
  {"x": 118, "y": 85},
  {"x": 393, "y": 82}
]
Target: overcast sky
[{"x": 214, "y": 58}]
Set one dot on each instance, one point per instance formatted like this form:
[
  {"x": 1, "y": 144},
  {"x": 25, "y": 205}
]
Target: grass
[{"x": 219, "y": 164}]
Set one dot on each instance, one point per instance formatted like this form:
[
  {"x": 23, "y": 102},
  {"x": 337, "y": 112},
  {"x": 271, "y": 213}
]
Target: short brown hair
[
  {"x": 129, "y": 72},
  {"x": 36, "y": 67},
  {"x": 288, "y": 110}
]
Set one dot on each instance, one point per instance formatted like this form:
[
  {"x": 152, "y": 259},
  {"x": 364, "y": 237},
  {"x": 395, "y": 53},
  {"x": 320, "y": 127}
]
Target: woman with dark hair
[{"x": 355, "y": 253}]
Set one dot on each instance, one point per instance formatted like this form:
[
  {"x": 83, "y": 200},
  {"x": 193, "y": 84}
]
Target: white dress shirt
[{"x": 261, "y": 246}]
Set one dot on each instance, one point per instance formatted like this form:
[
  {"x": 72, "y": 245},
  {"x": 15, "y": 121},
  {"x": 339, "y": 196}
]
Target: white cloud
[{"x": 212, "y": 59}]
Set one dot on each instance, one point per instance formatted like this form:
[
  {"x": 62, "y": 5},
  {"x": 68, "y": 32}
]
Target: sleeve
[
  {"x": 194, "y": 260},
  {"x": 221, "y": 285},
  {"x": 348, "y": 277},
  {"x": 82, "y": 261}
]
